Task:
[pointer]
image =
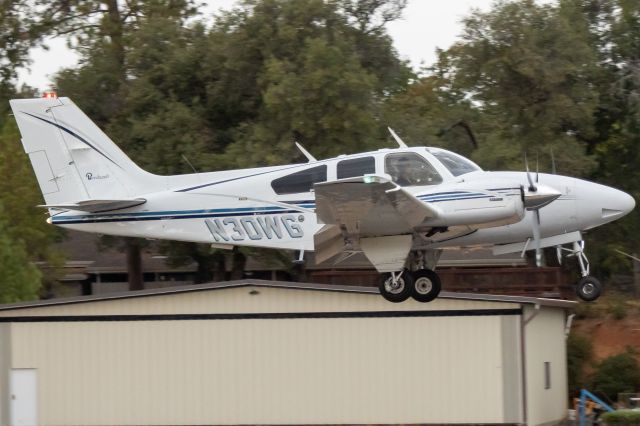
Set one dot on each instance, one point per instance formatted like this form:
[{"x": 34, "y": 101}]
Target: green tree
[
  {"x": 528, "y": 70},
  {"x": 300, "y": 70},
  {"x": 20, "y": 277},
  {"x": 25, "y": 224},
  {"x": 616, "y": 30},
  {"x": 579, "y": 352},
  {"x": 616, "y": 374}
]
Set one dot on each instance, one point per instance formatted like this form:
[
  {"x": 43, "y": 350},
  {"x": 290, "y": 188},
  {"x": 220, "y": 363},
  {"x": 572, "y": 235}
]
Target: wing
[
  {"x": 361, "y": 207},
  {"x": 96, "y": 206},
  {"x": 373, "y": 207},
  {"x": 370, "y": 206}
]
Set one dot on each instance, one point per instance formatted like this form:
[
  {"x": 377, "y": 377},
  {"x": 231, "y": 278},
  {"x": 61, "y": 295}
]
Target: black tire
[
  {"x": 399, "y": 293},
  {"x": 588, "y": 288},
  {"x": 426, "y": 285}
]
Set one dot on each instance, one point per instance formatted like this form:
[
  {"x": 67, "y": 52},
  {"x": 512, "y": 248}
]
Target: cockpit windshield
[
  {"x": 455, "y": 163},
  {"x": 411, "y": 169}
]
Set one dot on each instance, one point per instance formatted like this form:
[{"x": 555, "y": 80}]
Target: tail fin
[{"x": 72, "y": 158}]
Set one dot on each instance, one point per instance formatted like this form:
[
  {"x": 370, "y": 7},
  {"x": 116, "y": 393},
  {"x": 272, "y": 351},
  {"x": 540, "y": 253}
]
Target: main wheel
[
  {"x": 426, "y": 285},
  {"x": 398, "y": 291},
  {"x": 588, "y": 288}
]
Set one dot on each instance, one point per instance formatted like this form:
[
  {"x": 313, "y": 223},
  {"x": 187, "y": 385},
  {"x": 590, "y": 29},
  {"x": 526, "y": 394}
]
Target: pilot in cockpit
[{"x": 402, "y": 175}]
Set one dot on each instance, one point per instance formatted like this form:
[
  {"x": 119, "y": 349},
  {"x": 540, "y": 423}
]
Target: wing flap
[
  {"x": 370, "y": 206},
  {"x": 96, "y": 206}
]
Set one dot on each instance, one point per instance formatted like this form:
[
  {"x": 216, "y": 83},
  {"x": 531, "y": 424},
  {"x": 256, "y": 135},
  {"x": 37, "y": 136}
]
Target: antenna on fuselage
[
  {"x": 306, "y": 153},
  {"x": 189, "y": 163},
  {"x": 401, "y": 143}
]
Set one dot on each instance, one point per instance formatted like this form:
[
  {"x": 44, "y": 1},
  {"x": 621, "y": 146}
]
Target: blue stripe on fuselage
[{"x": 171, "y": 214}]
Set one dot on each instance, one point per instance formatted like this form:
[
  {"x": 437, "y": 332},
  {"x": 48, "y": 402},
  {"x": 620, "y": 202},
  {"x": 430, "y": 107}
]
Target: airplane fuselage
[{"x": 243, "y": 208}]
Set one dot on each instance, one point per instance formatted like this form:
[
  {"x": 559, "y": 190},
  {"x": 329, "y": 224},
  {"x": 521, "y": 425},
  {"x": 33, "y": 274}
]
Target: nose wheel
[
  {"x": 423, "y": 285},
  {"x": 588, "y": 288}
]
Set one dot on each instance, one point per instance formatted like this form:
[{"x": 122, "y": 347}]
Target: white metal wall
[
  {"x": 462, "y": 369},
  {"x": 5, "y": 366},
  {"x": 458, "y": 369},
  {"x": 266, "y": 371},
  {"x": 545, "y": 342}
]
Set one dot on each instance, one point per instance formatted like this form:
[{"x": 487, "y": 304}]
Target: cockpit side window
[
  {"x": 410, "y": 169},
  {"x": 356, "y": 167},
  {"x": 456, "y": 164},
  {"x": 301, "y": 181}
]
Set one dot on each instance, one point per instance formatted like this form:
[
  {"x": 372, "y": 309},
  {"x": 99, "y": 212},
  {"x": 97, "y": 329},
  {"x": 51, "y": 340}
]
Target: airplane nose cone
[{"x": 616, "y": 204}]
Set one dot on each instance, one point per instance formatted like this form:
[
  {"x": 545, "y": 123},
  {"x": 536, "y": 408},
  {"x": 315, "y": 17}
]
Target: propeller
[
  {"x": 536, "y": 236},
  {"x": 536, "y": 197}
]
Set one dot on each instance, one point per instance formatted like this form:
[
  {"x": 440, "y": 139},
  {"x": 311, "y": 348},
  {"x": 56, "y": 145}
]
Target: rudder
[{"x": 72, "y": 158}]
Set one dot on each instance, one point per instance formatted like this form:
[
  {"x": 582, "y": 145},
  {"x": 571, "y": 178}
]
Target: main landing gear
[
  {"x": 588, "y": 288},
  {"x": 423, "y": 285}
]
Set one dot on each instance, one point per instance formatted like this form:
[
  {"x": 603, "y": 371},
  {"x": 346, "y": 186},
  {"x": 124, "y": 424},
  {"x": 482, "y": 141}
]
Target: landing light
[
  {"x": 51, "y": 94},
  {"x": 370, "y": 179}
]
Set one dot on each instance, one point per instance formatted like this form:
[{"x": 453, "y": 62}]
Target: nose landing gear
[
  {"x": 588, "y": 288},
  {"x": 423, "y": 285}
]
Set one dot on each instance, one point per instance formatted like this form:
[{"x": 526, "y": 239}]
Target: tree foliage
[
  {"x": 617, "y": 374},
  {"x": 20, "y": 277},
  {"x": 579, "y": 353}
]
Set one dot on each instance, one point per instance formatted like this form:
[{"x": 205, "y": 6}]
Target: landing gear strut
[
  {"x": 588, "y": 288},
  {"x": 423, "y": 285}
]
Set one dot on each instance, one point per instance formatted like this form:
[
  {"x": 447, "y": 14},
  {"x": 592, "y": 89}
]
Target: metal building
[{"x": 258, "y": 352}]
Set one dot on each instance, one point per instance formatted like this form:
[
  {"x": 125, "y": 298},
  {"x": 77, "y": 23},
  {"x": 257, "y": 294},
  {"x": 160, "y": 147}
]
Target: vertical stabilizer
[{"x": 72, "y": 158}]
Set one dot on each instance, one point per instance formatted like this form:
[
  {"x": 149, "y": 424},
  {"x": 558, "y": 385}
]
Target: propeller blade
[
  {"x": 537, "y": 167},
  {"x": 553, "y": 162},
  {"x": 536, "y": 237},
  {"x": 532, "y": 187},
  {"x": 559, "y": 254}
]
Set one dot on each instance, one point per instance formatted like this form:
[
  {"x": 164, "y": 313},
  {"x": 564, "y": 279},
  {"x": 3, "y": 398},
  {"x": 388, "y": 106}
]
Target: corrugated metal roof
[{"x": 275, "y": 284}]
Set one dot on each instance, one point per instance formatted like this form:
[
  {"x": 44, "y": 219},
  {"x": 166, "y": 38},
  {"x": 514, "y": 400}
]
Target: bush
[
  {"x": 616, "y": 374},
  {"x": 585, "y": 310},
  {"x": 579, "y": 352},
  {"x": 622, "y": 417},
  {"x": 618, "y": 310}
]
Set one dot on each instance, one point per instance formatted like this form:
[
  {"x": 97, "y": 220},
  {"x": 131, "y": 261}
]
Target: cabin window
[
  {"x": 356, "y": 167},
  {"x": 301, "y": 181},
  {"x": 411, "y": 169},
  {"x": 456, "y": 164}
]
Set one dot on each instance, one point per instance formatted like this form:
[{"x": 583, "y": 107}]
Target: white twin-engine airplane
[{"x": 400, "y": 207}]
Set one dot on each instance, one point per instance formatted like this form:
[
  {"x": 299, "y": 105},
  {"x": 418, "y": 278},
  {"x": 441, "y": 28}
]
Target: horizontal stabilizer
[{"x": 96, "y": 206}]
